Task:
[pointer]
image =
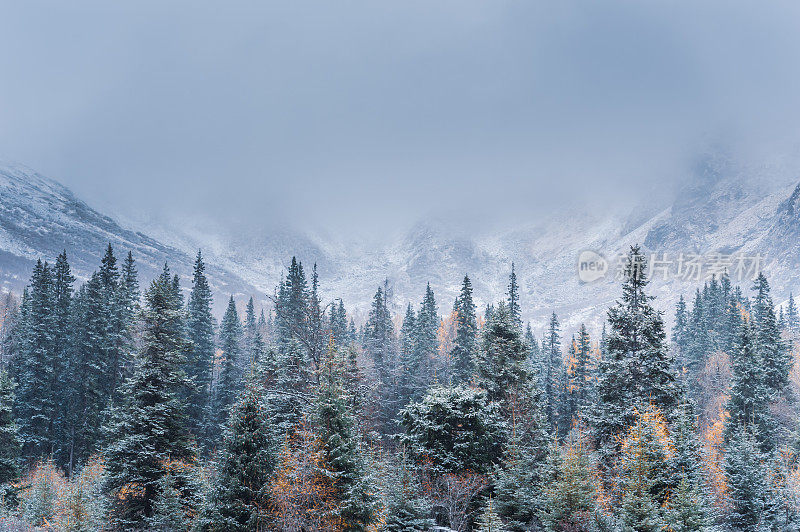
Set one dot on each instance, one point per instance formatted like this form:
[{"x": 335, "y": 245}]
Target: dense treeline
[{"x": 130, "y": 410}]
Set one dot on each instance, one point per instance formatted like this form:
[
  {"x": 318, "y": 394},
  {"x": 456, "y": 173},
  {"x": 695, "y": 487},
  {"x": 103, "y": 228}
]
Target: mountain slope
[{"x": 39, "y": 218}]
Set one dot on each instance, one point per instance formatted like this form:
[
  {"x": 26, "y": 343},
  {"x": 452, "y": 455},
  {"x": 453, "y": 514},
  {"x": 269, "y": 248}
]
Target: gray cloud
[{"x": 318, "y": 113}]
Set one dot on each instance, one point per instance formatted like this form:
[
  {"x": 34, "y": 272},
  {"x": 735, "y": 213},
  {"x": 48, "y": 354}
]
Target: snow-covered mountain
[
  {"x": 39, "y": 218},
  {"x": 726, "y": 209}
]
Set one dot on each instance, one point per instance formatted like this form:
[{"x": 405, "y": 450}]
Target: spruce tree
[
  {"x": 254, "y": 343},
  {"x": 770, "y": 347},
  {"x": 513, "y": 299},
  {"x": 553, "y": 371},
  {"x": 230, "y": 375},
  {"x": 200, "y": 355},
  {"x": 568, "y": 498},
  {"x": 149, "y": 427},
  {"x": 62, "y": 303},
  {"x": 357, "y": 505},
  {"x": 427, "y": 342},
  {"x": 169, "y": 514},
  {"x": 408, "y": 363},
  {"x": 746, "y": 482},
  {"x": 463, "y": 352},
  {"x": 406, "y": 511},
  {"x": 247, "y": 461},
  {"x": 792, "y": 319},
  {"x": 10, "y": 445},
  {"x": 380, "y": 346},
  {"x": 36, "y": 368},
  {"x": 636, "y": 370},
  {"x": 750, "y": 395}
]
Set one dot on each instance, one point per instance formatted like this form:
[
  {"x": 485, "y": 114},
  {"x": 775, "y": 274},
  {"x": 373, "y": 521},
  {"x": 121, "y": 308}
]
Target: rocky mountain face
[{"x": 723, "y": 213}]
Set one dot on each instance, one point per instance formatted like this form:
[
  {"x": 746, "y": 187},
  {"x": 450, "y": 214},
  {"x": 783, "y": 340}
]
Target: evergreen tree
[
  {"x": 644, "y": 454},
  {"x": 427, "y": 342},
  {"x": 463, "y": 352},
  {"x": 775, "y": 355},
  {"x": 10, "y": 445},
  {"x": 636, "y": 370},
  {"x": 409, "y": 365},
  {"x": 62, "y": 304},
  {"x": 792, "y": 319},
  {"x": 569, "y": 492},
  {"x": 149, "y": 427},
  {"x": 553, "y": 371},
  {"x": 200, "y": 354},
  {"x": 291, "y": 306},
  {"x": 406, "y": 512},
  {"x": 36, "y": 368},
  {"x": 513, "y": 299},
  {"x": 253, "y": 340},
  {"x": 501, "y": 365},
  {"x": 357, "y": 505},
  {"x": 750, "y": 395},
  {"x": 87, "y": 372},
  {"x": 248, "y": 459},
  {"x": 680, "y": 335},
  {"x": 688, "y": 508},
  {"x": 168, "y": 511},
  {"x": 380, "y": 345},
  {"x": 579, "y": 392},
  {"x": 230, "y": 342},
  {"x": 457, "y": 429},
  {"x": 489, "y": 520},
  {"x": 746, "y": 482},
  {"x": 338, "y": 324}
]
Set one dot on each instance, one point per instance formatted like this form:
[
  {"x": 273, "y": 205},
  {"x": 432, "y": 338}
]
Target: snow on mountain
[
  {"x": 39, "y": 218},
  {"x": 723, "y": 209}
]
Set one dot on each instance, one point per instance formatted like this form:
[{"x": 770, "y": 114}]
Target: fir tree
[
  {"x": 409, "y": 365},
  {"x": 248, "y": 459},
  {"x": 254, "y": 343},
  {"x": 750, "y": 395},
  {"x": 746, "y": 482},
  {"x": 200, "y": 355},
  {"x": 489, "y": 520},
  {"x": 406, "y": 512},
  {"x": 776, "y": 357},
  {"x": 501, "y": 365},
  {"x": 792, "y": 319},
  {"x": 10, "y": 445},
  {"x": 62, "y": 304},
  {"x": 553, "y": 371},
  {"x": 427, "y": 343},
  {"x": 149, "y": 427},
  {"x": 463, "y": 352},
  {"x": 357, "y": 505},
  {"x": 569, "y": 491},
  {"x": 230, "y": 342},
  {"x": 169, "y": 514},
  {"x": 513, "y": 299},
  {"x": 36, "y": 405},
  {"x": 636, "y": 370}
]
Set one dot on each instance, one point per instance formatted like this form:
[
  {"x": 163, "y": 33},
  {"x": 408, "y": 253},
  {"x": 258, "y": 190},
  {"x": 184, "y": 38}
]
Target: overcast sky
[{"x": 374, "y": 113}]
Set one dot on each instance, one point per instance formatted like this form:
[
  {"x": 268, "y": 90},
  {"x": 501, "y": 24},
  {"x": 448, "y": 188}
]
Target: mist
[{"x": 365, "y": 116}]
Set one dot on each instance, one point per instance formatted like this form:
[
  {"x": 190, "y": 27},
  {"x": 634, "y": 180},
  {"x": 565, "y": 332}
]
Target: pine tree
[
  {"x": 247, "y": 461},
  {"x": 463, "y": 352},
  {"x": 254, "y": 343},
  {"x": 513, "y": 299},
  {"x": 230, "y": 376},
  {"x": 408, "y": 364},
  {"x": 62, "y": 303},
  {"x": 553, "y": 372},
  {"x": 200, "y": 355},
  {"x": 792, "y": 319},
  {"x": 357, "y": 504},
  {"x": 406, "y": 512},
  {"x": 746, "y": 482},
  {"x": 10, "y": 445},
  {"x": 149, "y": 426},
  {"x": 431, "y": 435},
  {"x": 501, "y": 365},
  {"x": 569, "y": 491},
  {"x": 770, "y": 347},
  {"x": 169, "y": 514},
  {"x": 427, "y": 342},
  {"x": 644, "y": 455},
  {"x": 636, "y": 370},
  {"x": 489, "y": 520},
  {"x": 36, "y": 369},
  {"x": 750, "y": 395},
  {"x": 87, "y": 373}
]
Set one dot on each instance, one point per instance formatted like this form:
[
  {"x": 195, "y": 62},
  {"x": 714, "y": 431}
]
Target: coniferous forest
[{"x": 128, "y": 407}]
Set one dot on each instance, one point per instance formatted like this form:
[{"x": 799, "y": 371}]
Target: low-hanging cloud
[{"x": 331, "y": 114}]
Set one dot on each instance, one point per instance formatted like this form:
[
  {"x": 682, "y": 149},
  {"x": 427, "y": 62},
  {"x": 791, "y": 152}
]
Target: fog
[{"x": 364, "y": 116}]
